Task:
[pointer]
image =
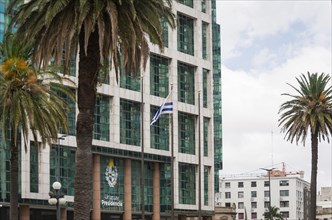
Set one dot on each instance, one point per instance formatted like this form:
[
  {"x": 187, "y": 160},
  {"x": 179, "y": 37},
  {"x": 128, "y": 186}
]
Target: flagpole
[
  {"x": 142, "y": 148},
  {"x": 172, "y": 163},
  {"x": 199, "y": 159}
]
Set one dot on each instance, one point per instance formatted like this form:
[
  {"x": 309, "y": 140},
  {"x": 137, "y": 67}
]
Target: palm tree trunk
[
  {"x": 313, "y": 184},
  {"x": 13, "y": 179},
  {"x": 87, "y": 84}
]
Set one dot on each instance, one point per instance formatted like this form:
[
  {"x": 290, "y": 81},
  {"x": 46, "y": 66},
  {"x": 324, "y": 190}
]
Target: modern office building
[
  {"x": 190, "y": 65},
  {"x": 252, "y": 194}
]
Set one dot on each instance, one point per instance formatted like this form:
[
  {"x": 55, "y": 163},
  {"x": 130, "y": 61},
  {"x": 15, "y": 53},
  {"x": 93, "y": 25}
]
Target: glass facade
[
  {"x": 130, "y": 116},
  {"x": 185, "y": 30},
  {"x": 217, "y": 105},
  {"x": 204, "y": 40},
  {"x": 111, "y": 183},
  {"x": 159, "y": 131},
  {"x": 206, "y": 122},
  {"x": 4, "y": 169},
  {"x": 186, "y": 83},
  {"x": 159, "y": 76},
  {"x": 187, "y": 184},
  {"x": 186, "y": 125},
  {"x": 62, "y": 168},
  {"x": 34, "y": 180},
  {"x": 165, "y": 187},
  {"x": 130, "y": 82},
  {"x": 101, "y": 129}
]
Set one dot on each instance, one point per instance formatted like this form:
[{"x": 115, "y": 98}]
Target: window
[
  {"x": 205, "y": 87},
  {"x": 186, "y": 133},
  {"x": 284, "y": 183},
  {"x": 34, "y": 180},
  {"x": 285, "y": 214},
  {"x": 254, "y": 205},
  {"x": 266, "y": 193},
  {"x": 165, "y": 31},
  {"x": 206, "y": 185},
  {"x": 253, "y": 184},
  {"x": 227, "y": 204},
  {"x": 159, "y": 73},
  {"x": 228, "y": 195},
  {"x": 266, "y": 204},
  {"x": 101, "y": 128},
  {"x": 240, "y": 194},
  {"x": 227, "y": 185},
  {"x": 203, "y": 6},
  {"x": 130, "y": 123},
  {"x": 131, "y": 82},
  {"x": 284, "y": 193},
  {"x": 284, "y": 203},
  {"x": 253, "y": 215},
  {"x": 240, "y": 184},
  {"x": 206, "y": 136},
  {"x": 187, "y": 184},
  {"x": 266, "y": 183},
  {"x": 253, "y": 194},
  {"x": 240, "y": 205},
  {"x": 185, "y": 34},
  {"x": 159, "y": 131},
  {"x": 186, "y": 83},
  {"x": 204, "y": 40},
  {"x": 189, "y": 3},
  {"x": 241, "y": 215}
]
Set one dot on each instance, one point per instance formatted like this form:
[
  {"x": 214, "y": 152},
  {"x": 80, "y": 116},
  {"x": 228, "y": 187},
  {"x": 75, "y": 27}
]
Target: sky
[{"x": 264, "y": 46}]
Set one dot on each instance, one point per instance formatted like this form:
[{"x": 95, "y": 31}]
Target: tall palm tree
[
  {"x": 28, "y": 105},
  {"x": 108, "y": 32},
  {"x": 310, "y": 109},
  {"x": 274, "y": 213}
]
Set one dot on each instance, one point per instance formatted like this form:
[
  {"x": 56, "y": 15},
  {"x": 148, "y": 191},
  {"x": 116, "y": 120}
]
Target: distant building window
[
  {"x": 285, "y": 214},
  {"x": 284, "y": 203},
  {"x": 240, "y": 184},
  {"x": 266, "y": 204},
  {"x": 253, "y": 194},
  {"x": 284, "y": 183},
  {"x": 254, "y": 205},
  {"x": 189, "y": 3},
  {"x": 227, "y": 204},
  {"x": 254, "y": 215},
  {"x": 284, "y": 193},
  {"x": 241, "y": 205},
  {"x": 241, "y": 215},
  {"x": 240, "y": 194},
  {"x": 266, "y": 183},
  {"x": 185, "y": 34},
  {"x": 227, "y": 185},
  {"x": 227, "y": 195},
  {"x": 266, "y": 194},
  {"x": 254, "y": 184}
]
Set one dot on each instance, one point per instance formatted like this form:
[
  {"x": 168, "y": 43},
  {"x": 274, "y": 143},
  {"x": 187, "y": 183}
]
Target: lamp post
[
  {"x": 269, "y": 172},
  {"x": 56, "y": 198}
]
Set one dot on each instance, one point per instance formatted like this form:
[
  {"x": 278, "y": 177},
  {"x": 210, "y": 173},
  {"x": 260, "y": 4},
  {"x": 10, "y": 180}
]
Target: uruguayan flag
[{"x": 165, "y": 108}]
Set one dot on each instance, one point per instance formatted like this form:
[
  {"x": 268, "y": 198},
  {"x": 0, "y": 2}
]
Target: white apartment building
[
  {"x": 250, "y": 194},
  {"x": 324, "y": 204}
]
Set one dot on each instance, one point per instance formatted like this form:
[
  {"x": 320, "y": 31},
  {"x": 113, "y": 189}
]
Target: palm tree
[
  {"x": 27, "y": 105},
  {"x": 108, "y": 32},
  {"x": 310, "y": 108},
  {"x": 274, "y": 213}
]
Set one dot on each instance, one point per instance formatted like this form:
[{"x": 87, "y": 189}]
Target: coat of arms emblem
[{"x": 111, "y": 174}]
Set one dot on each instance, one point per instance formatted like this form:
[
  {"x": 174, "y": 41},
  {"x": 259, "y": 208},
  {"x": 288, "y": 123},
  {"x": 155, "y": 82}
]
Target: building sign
[{"x": 111, "y": 176}]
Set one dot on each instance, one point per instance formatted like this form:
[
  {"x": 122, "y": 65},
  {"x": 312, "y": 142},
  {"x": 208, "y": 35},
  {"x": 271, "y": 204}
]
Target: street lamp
[
  {"x": 269, "y": 172},
  {"x": 56, "y": 198}
]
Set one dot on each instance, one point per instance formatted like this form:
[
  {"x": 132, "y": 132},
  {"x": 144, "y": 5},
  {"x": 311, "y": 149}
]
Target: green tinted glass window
[
  {"x": 159, "y": 76},
  {"x": 130, "y": 118},
  {"x": 204, "y": 40},
  {"x": 203, "y": 5},
  {"x": 206, "y": 185},
  {"x": 205, "y": 87},
  {"x": 185, "y": 34},
  {"x": 186, "y": 133},
  {"x": 101, "y": 129},
  {"x": 165, "y": 187},
  {"x": 206, "y": 136},
  {"x": 34, "y": 180},
  {"x": 159, "y": 131},
  {"x": 187, "y": 184},
  {"x": 186, "y": 83},
  {"x": 71, "y": 114},
  {"x": 189, "y": 3}
]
